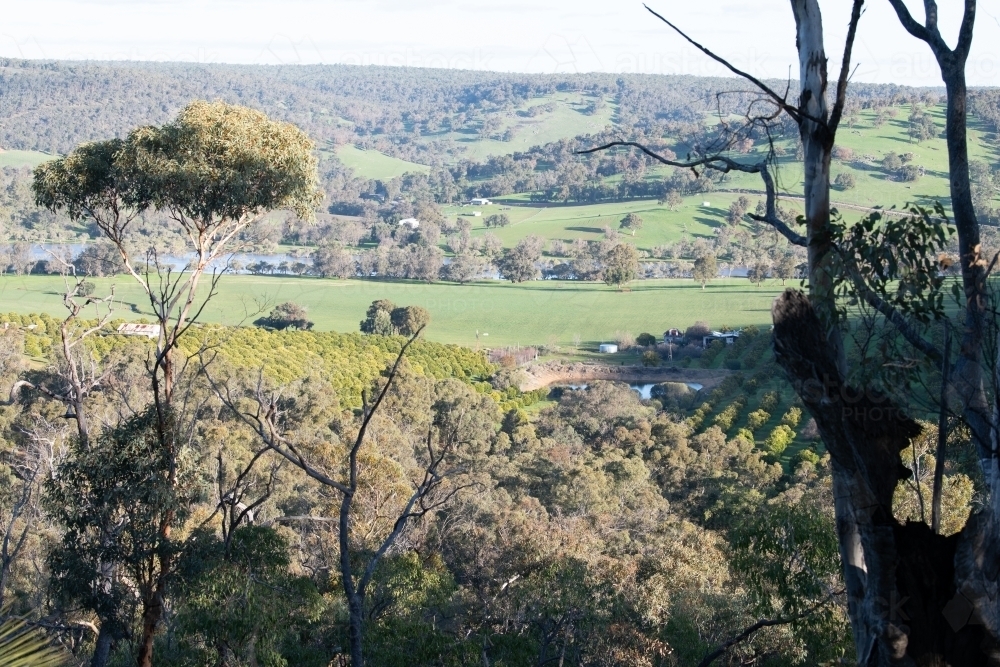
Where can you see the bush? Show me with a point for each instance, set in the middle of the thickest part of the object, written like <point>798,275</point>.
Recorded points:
<point>733,364</point>
<point>287,315</point>
<point>676,393</point>
<point>792,417</point>
<point>911,172</point>
<point>757,418</point>
<point>843,153</point>
<point>769,401</point>
<point>728,417</point>
<point>646,340</point>
<point>780,438</point>
<point>696,332</point>
<point>845,181</point>
<point>650,358</point>
<point>625,340</point>
<point>809,456</point>
<point>713,350</point>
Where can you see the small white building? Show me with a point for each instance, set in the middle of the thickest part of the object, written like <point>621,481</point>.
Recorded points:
<point>477,214</point>
<point>134,329</point>
<point>706,203</point>
<point>480,201</point>
<point>607,348</point>
<point>727,337</point>
<point>412,223</point>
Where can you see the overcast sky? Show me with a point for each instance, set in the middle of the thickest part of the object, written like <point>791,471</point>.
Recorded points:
<point>518,35</point>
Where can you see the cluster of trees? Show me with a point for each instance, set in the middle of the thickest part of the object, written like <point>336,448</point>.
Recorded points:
<point>900,167</point>
<point>384,318</point>
<point>286,315</point>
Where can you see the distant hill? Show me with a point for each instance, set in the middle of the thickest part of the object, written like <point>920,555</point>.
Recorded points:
<point>53,106</point>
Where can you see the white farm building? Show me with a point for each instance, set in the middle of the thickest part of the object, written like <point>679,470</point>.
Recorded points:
<point>412,223</point>
<point>480,201</point>
<point>607,348</point>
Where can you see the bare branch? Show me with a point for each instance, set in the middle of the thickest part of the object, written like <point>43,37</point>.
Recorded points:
<point>845,67</point>
<point>761,624</point>
<point>778,99</point>
<point>725,165</point>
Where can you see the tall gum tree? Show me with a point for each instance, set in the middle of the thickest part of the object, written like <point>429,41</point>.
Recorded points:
<point>214,170</point>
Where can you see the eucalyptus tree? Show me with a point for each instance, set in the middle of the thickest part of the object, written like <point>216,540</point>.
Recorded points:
<point>913,596</point>
<point>213,171</point>
<point>457,436</point>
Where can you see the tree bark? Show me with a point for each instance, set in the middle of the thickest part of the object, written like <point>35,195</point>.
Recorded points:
<point>102,650</point>
<point>909,600</point>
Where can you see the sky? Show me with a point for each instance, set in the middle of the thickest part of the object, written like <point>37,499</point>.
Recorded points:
<point>545,36</point>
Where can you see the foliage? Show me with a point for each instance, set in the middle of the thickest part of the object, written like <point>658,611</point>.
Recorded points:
<point>238,602</point>
<point>120,482</point>
<point>845,181</point>
<point>631,221</point>
<point>22,646</point>
<point>897,258</point>
<point>408,320</point>
<point>286,315</point>
<point>705,269</point>
<point>786,555</point>
<point>518,263</point>
<point>757,418</point>
<point>645,340</point>
<point>621,265</point>
<point>779,439</point>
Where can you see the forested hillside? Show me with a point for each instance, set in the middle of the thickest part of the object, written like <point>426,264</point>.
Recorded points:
<point>53,106</point>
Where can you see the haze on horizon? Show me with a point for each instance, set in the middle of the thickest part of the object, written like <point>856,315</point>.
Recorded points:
<point>516,36</point>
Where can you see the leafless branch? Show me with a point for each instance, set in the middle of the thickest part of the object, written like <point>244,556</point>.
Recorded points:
<point>723,648</point>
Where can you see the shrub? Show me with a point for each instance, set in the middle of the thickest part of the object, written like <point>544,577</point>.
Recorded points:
<point>792,417</point>
<point>646,339</point>
<point>911,172</point>
<point>728,417</point>
<point>696,332</point>
<point>650,358</point>
<point>769,401</point>
<point>845,181</point>
<point>624,339</point>
<point>287,315</point>
<point>757,418</point>
<point>843,153</point>
<point>711,352</point>
<point>780,438</point>
<point>809,456</point>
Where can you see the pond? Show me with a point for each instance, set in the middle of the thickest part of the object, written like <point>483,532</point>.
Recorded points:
<point>644,390</point>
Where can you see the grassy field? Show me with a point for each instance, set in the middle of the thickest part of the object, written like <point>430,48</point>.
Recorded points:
<point>694,219</point>
<point>23,158</point>
<point>566,120</point>
<point>372,164</point>
<point>568,222</point>
<point>541,312</point>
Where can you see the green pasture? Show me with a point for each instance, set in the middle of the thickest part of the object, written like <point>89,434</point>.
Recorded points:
<point>23,158</point>
<point>372,164</point>
<point>567,120</point>
<point>587,221</point>
<point>539,312</point>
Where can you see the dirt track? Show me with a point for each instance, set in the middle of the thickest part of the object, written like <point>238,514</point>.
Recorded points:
<point>543,375</point>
